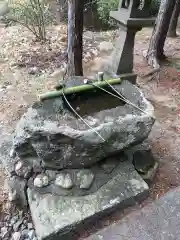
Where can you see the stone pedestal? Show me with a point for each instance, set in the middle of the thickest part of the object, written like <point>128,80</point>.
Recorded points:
<point>132,17</point>
<point>57,217</point>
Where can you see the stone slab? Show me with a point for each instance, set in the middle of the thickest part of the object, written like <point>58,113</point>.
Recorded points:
<point>160,220</point>
<point>132,22</point>
<point>58,216</point>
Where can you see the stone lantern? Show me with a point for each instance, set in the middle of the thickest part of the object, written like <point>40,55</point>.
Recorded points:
<point>132,16</point>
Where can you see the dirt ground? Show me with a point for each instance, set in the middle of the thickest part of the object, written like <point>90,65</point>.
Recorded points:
<point>28,68</point>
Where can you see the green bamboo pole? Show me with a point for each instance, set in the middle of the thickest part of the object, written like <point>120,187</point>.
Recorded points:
<point>78,89</point>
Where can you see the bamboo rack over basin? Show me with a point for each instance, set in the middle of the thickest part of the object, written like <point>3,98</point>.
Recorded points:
<point>78,89</point>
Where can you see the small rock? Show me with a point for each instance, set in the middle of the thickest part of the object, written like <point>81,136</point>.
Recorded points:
<point>12,153</point>
<point>16,236</point>
<point>20,213</point>
<point>7,218</point>
<point>85,178</point>
<point>18,166</point>
<point>22,169</point>
<point>17,225</point>
<point>31,234</point>
<point>94,52</point>
<point>4,231</point>
<point>25,233</point>
<point>30,226</point>
<point>21,105</point>
<point>12,195</point>
<point>41,180</point>
<point>6,83</point>
<point>14,220</point>
<point>144,53</point>
<point>25,221</point>
<point>33,70</point>
<point>64,180</point>
<point>23,227</point>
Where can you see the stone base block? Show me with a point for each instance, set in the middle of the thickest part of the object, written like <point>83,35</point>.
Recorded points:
<point>60,216</point>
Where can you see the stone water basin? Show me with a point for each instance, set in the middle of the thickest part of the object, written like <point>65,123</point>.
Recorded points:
<point>58,139</point>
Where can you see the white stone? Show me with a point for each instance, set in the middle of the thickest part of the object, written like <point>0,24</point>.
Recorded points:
<point>18,166</point>
<point>94,52</point>
<point>41,180</point>
<point>3,231</point>
<point>85,178</point>
<point>64,180</point>
<point>12,153</point>
<point>33,70</point>
<point>12,195</point>
<point>16,236</point>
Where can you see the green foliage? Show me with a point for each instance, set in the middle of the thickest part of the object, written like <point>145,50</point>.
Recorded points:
<point>104,7</point>
<point>155,7</point>
<point>33,14</point>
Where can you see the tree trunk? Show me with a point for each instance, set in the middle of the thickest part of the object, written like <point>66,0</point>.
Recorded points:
<point>174,20</point>
<point>75,37</point>
<point>156,46</point>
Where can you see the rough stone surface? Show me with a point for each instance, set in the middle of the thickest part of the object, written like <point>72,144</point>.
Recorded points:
<point>85,178</point>
<point>50,131</point>
<point>56,216</point>
<point>64,181</point>
<point>109,166</point>
<point>159,220</point>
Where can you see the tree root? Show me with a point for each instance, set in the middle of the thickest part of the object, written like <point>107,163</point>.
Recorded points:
<point>153,61</point>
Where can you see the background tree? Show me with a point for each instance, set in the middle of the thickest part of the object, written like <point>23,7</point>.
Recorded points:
<point>174,20</point>
<point>75,37</point>
<point>155,52</point>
